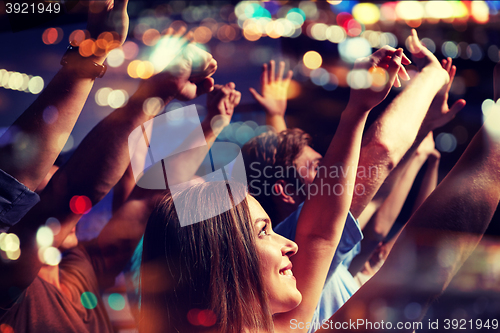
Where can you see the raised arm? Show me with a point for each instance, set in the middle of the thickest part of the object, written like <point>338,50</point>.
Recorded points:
<point>453,219</point>
<point>274,94</point>
<point>322,218</point>
<point>123,232</point>
<point>95,167</point>
<point>397,133</point>
<point>382,221</point>
<point>220,108</point>
<point>66,94</point>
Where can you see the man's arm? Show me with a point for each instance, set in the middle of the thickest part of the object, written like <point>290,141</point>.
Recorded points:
<point>382,221</point>
<point>397,133</point>
<point>322,218</point>
<point>66,93</point>
<point>274,94</point>
<point>220,108</point>
<point>95,167</point>
<point>123,232</point>
<point>453,219</point>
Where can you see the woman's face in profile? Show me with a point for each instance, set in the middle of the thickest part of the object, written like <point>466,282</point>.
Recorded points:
<point>274,254</point>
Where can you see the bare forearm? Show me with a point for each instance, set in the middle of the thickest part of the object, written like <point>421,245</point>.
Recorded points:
<point>47,124</point>
<point>382,221</point>
<point>276,121</point>
<point>394,135</point>
<point>322,218</point>
<point>429,182</point>
<point>452,219</point>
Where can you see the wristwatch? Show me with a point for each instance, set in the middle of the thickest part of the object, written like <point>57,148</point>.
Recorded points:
<point>85,67</point>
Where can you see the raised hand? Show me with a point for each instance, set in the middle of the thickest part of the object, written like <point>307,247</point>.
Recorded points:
<point>221,103</point>
<point>109,16</point>
<point>382,69</point>
<point>273,89</point>
<point>421,56</point>
<point>439,113</point>
<point>183,70</point>
<point>427,146</point>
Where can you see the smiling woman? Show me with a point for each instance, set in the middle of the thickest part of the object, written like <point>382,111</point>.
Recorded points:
<point>207,275</point>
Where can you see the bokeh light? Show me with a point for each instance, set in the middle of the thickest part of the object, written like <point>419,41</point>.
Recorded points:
<point>115,57</point>
<point>116,302</point>
<point>153,106</point>
<point>366,13</point>
<point>54,225</point>
<point>80,204</point>
<point>446,142</point>
<point>312,59</point>
<point>354,48</point>
<point>450,49</point>
<point>130,50</point>
<point>202,35</point>
<point>44,236</point>
<point>410,10</point>
<point>359,79</point>
<point>88,300</point>
<point>77,37</point>
<point>151,37</point>
<point>336,34</point>
<point>49,255</point>
<point>101,96</point>
<point>117,98</point>
<point>35,85</point>
<point>52,36</point>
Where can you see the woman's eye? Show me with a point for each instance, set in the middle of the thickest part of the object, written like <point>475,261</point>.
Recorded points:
<point>263,232</point>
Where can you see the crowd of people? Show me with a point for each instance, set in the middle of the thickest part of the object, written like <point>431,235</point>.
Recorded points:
<point>296,242</point>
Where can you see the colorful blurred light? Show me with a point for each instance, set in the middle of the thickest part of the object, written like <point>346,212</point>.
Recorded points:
<point>312,59</point>
<point>354,48</point>
<point>336,34</point>
<point>80,204</point>
<point>480,11</point>
<point>366,13</point>
<point>410,10</point>
<point>52,36</point>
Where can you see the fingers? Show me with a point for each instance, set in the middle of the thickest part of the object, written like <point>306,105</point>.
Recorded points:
<point>394,67</point>
<point>281,71</point>
<point>256,95</point>
<point>272,66</point>
<point>456,107</point>
<point>288,78</point>
<point>205,86</point>
<point>264,76</point>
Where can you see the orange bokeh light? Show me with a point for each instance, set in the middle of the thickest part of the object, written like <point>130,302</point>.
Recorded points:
<point>52,36</point>
<point>77,37</point>
<point>202,35</point>
<point>87,48</point>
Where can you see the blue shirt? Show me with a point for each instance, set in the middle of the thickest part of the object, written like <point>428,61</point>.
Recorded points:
<point>15,200</point>
<point>339,285</point>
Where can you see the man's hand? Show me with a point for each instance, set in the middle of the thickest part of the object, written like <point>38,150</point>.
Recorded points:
<point>108,16</point>
<point>382,68</point>
<point>439,113</point>
<point>187,75</point>
<point>274,89</point>
<point>421,56</point>
<point>427,146</point>
<point>221,103</point>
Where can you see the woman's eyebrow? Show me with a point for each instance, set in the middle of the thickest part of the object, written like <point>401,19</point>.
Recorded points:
<point>265,219</point>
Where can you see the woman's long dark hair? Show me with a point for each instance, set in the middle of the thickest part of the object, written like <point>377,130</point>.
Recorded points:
<point>209,266</point>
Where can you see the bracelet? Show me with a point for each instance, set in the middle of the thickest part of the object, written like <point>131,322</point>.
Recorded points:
<point>85,67</point>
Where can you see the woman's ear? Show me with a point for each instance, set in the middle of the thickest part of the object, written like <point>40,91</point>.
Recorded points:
<point>280,189</point>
